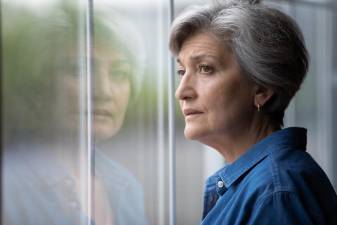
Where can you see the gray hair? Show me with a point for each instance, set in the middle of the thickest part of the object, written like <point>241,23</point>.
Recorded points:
<point>267,44</point>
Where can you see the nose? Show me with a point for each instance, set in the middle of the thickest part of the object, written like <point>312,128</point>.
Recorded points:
<point>103,86</point>
<point>186,89</point>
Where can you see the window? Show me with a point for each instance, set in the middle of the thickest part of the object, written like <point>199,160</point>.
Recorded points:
<point>90,128</point>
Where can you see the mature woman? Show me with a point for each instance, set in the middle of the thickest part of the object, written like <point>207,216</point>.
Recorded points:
<point>240,63</point>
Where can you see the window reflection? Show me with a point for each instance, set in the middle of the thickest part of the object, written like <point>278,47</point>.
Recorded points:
<point>44,62</point>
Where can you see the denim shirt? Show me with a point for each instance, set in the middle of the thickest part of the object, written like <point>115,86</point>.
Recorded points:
<point>275,182</point>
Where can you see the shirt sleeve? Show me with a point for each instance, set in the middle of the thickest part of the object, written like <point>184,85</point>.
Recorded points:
<point>281,208</point>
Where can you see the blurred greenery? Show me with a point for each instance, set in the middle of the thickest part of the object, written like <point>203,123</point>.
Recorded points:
<point>38,47</point>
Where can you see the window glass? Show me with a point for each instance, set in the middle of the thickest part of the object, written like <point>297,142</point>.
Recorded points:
<point>84,112</point>
<point>45,153</point>
<point>141,144</point>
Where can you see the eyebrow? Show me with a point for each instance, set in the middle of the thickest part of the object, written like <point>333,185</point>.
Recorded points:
<point>199,57</point>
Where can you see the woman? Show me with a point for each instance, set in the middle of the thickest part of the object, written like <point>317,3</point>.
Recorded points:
<point>45,179</point>
<point>240,63</point>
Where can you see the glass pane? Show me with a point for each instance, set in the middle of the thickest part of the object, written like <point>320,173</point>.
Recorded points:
<point>138,87</point>
<point>44,125</point>
<point>85,112</point>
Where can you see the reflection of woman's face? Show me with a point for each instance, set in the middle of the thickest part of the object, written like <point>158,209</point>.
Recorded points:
<point>111,91</point>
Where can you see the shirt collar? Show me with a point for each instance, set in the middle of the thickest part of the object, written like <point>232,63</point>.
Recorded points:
<point>289,137</point>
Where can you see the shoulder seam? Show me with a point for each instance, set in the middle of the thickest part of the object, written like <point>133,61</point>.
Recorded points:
<point>278,190</point>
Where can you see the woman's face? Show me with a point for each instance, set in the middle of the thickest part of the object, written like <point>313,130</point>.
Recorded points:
<point>214,97</point>
<point>111,92</point>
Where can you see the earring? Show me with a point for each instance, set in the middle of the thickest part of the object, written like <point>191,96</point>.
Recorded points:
<point>258,107</point>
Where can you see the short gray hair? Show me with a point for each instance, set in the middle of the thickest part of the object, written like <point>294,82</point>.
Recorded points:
<point>267,44</point>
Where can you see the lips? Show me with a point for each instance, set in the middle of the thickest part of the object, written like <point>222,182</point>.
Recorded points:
<point>102,113</point>
<point>191,112</point>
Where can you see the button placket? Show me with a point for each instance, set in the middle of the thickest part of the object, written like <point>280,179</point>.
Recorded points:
<point>220,187</point>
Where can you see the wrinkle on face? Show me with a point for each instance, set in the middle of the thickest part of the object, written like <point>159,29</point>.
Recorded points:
<point>225,97</point>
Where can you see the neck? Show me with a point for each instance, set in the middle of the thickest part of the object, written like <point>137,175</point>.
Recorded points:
<point>231,145</point>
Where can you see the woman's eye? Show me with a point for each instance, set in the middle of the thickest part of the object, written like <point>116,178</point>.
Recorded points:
<point>119,71</point>
<point>180,73</point>
<point>206,69</point>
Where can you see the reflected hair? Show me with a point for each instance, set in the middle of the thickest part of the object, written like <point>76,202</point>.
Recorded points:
<point>112,32</point>
<point>267,44</point>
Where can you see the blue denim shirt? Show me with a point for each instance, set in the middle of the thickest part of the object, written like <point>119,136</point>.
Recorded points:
<point>275,182</point>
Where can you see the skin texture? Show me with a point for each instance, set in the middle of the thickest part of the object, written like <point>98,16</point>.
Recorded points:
<point>217,101</point>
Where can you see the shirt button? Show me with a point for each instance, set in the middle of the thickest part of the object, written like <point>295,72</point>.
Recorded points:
<point>220,184</point>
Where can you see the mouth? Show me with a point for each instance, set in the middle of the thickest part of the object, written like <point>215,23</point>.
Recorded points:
<point>191,113</point>
<point>102,113</point>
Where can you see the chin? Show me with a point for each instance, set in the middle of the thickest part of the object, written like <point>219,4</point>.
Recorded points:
<point>104,133</point>
<point>106,128</point>
<point>193,133</point>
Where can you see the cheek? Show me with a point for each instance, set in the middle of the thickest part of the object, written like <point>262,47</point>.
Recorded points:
<point>221,96</point>
<point>231,104</point>
<point>181,104</point>
<point>122,95</point>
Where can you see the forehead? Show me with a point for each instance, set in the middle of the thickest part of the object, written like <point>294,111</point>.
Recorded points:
<point>202,46</point>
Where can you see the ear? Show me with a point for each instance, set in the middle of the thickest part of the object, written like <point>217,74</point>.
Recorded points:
<point>262,95</point>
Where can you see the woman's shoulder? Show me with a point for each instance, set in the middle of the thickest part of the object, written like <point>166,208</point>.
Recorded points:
<point>289,170</point>
<point>295,171</point>
<point>290,166</point>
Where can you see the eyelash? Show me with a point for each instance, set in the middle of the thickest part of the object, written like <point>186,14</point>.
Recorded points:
<point>180,72</point>
<point>209,69</point>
